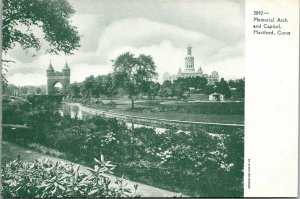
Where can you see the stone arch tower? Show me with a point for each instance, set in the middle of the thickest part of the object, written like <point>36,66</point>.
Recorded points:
<point>55,76</point>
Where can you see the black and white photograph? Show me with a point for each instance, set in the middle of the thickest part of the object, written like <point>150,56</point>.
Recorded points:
<point>123,98</point>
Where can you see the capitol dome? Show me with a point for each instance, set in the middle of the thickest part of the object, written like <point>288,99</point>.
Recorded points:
<point>214,74</point>
<point>166,75</point>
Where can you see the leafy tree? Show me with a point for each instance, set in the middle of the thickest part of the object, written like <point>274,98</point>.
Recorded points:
<point>199,82</point>
<point>51,16</point>
<point>154,89</point>
<point>208,89</point>
<point>24,90</point>
<point>38,90</point>
<point>130,72</point>
<point>240,88</point>
<point>88,88</point>
<point>10,89</point>
<point>239,84</point>
<point>150,88</point>
<point>20,18</point>
<point>180,87</point>
<point>105,85</point>
<point>223,88</point>
<point>166,89</point>
<point>74,90</point>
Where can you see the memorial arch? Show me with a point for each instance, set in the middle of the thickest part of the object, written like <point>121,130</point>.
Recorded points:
<point>53,77</point>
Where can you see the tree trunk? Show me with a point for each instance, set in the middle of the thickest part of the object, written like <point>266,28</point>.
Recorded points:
<point>132,103</point>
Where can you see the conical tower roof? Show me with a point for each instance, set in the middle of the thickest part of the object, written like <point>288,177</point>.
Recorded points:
<point>66,66</point>
<point>50,67</point>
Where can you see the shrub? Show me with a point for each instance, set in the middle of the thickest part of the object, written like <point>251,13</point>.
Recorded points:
<point>44,178</point>
<point>200,162</point>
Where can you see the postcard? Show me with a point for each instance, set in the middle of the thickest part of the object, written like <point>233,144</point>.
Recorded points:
<point>149,98</point>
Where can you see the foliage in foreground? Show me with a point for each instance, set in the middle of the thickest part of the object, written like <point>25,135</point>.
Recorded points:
<point>45,178</point>
<point>205,161</point>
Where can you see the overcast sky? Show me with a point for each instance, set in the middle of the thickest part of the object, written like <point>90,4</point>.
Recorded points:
<point>160,28</point>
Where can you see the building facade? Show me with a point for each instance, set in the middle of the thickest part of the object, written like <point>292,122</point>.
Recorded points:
<point>190,71</point>
<point>54,77</point>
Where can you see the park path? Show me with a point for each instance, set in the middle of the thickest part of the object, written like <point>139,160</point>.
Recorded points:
<point>10,151</point>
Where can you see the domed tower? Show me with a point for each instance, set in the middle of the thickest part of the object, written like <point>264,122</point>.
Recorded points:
<point>166,76</point>
<point>213,78</point>
<point>215,75</point>
<point>189,61</point>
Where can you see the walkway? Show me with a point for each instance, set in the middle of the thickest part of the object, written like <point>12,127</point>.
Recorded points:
<point>10,151</point>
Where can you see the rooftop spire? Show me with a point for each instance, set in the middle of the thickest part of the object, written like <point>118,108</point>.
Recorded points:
<point>50,66</point>
<point>66,65</point>
<point>189,50</point>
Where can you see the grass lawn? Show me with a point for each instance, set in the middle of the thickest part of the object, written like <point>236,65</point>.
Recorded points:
<point>124,107</point>
<point>11,151</point>
<point>211,118</point>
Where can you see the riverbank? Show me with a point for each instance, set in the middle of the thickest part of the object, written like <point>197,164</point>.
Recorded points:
<point>158,119</point>
<point>208,112</point>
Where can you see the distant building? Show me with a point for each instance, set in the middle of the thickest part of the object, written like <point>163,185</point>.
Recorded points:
<point>167,76</point>
<point>31,91</point>
<point>189,71</point>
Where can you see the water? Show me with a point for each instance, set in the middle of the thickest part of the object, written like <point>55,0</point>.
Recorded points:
<point>83,113</point>
<point>80,112</point>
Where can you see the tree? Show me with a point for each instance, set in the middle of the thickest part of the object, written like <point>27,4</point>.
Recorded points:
<point>223,88</point>
<point>208,89</point>
<point>88,88</point>
<point>38,90</point>
<point>20,18</point>
<point>150,88</point>
<point>24,90</point>
<point>74,90</point>
<point>239,84</point>
<point>199,82</point>
<point>130,72</point>
<point>180,87</point>
<point>166,89</point>
<point>104,85</point>
<point>51,16</point>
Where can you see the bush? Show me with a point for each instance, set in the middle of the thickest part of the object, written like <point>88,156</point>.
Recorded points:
<point>14,110</point>
<point>200,162</point>
<point>44,178</point>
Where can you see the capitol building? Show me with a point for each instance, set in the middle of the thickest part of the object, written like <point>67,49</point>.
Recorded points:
<point>189,71</point>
